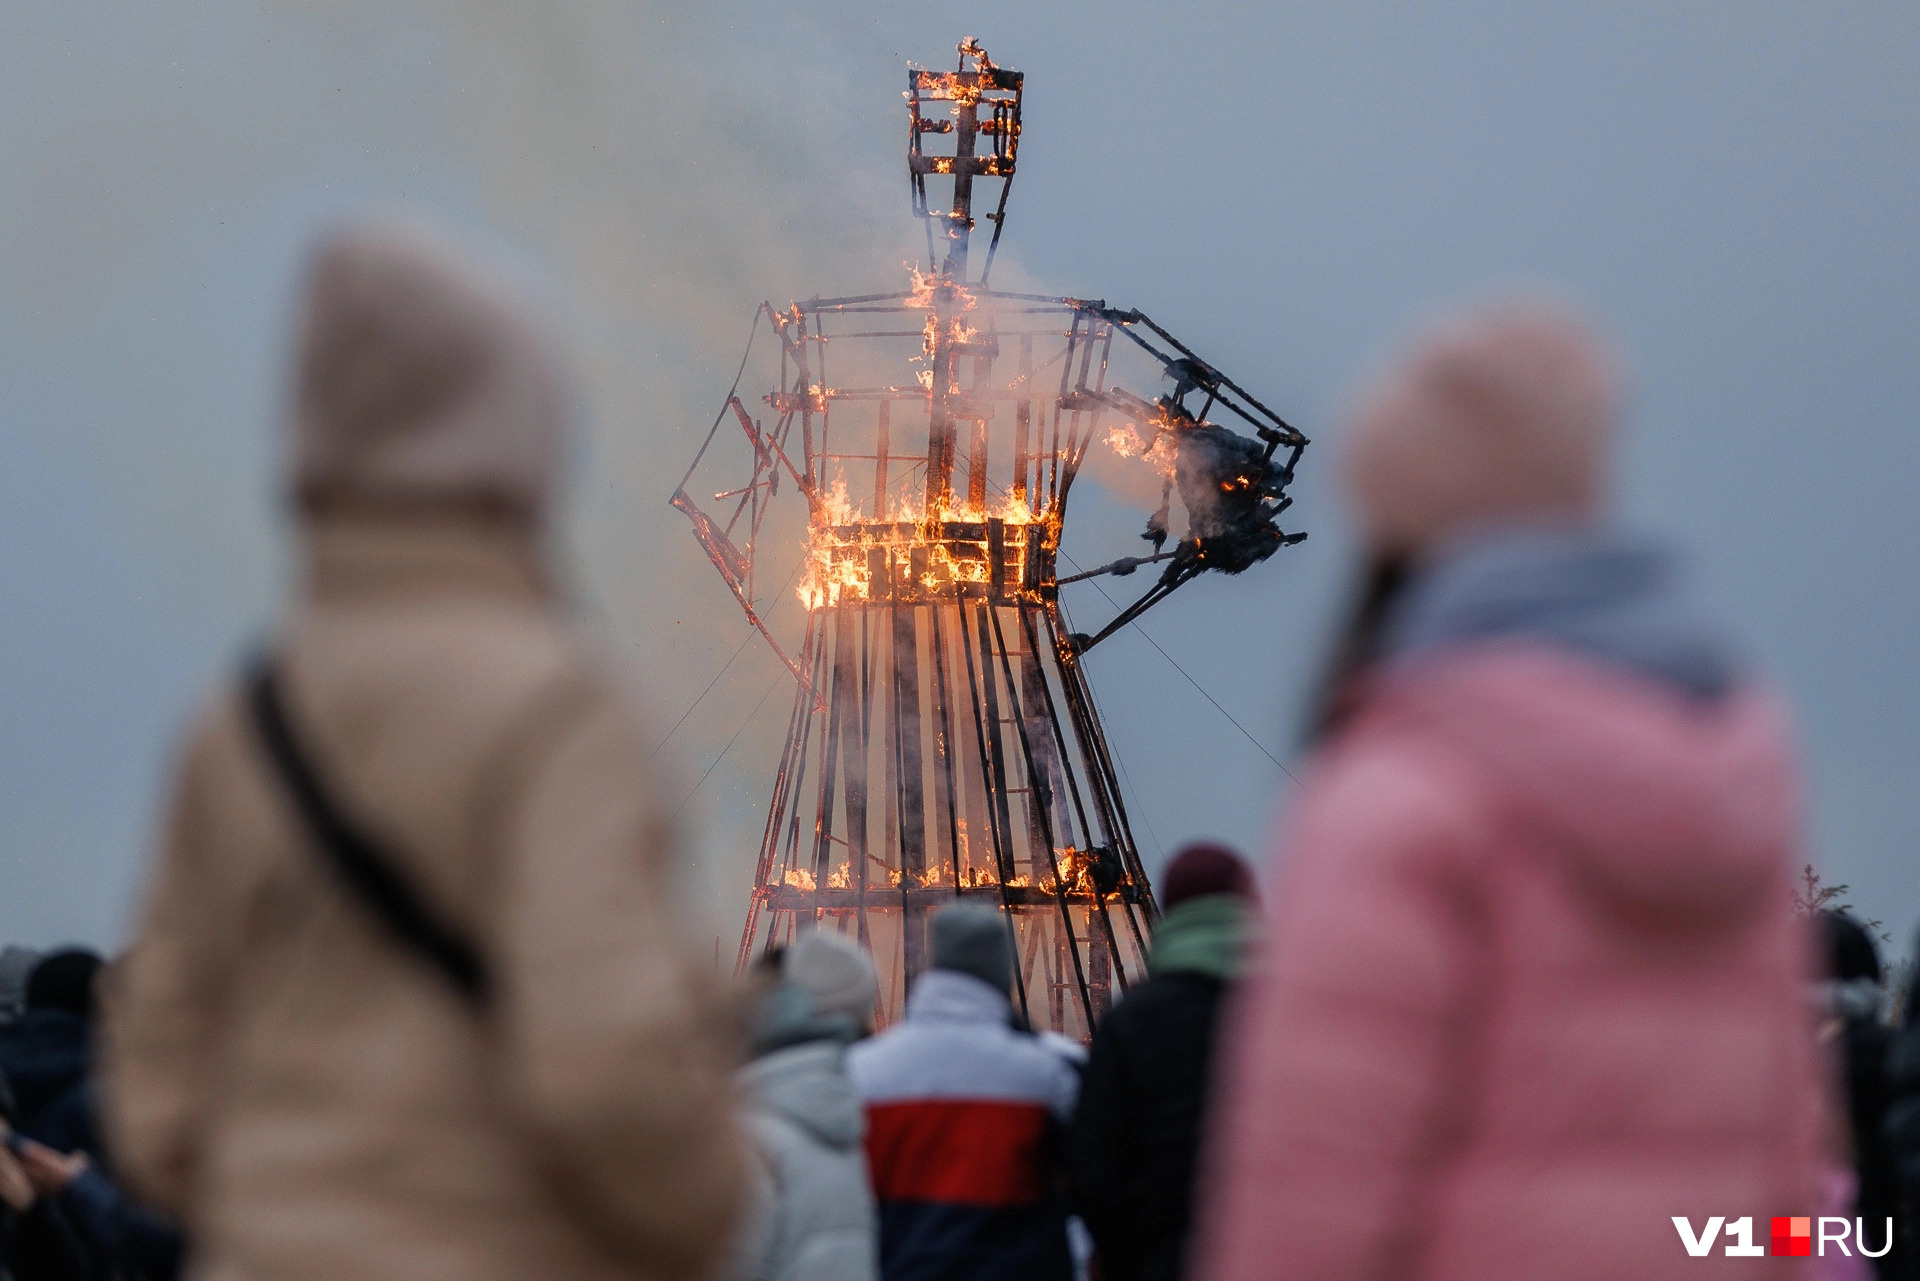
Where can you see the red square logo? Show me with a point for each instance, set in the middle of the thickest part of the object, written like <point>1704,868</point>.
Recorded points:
<point>1793,1236</point>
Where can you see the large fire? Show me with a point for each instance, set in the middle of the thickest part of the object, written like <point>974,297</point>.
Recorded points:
<point>931,552</point>
<point>939,551</point>
<point>1075,867</point>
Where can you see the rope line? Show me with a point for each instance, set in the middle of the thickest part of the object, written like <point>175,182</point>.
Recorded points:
<point>703,693</point>
<point>744,642</point>
<point>728,748</point>
<point>1183,671</point>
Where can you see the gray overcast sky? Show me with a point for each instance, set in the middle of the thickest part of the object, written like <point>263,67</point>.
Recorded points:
<point>1732,185</point>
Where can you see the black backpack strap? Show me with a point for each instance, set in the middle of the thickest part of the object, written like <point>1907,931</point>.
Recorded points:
<point>366,869</point>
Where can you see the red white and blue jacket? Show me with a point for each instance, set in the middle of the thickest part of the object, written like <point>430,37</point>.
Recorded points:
<point>963,1121</point>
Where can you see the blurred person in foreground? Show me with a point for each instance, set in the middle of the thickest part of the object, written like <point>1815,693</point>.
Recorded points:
<point>71,1219</point>
<point>16,964</point>
<point>85,1222</point>
<point>408,999</point>
<point>810,1213</point>
<point>1144,1096</point>
<point>37,1240</point>
<point>965,1118</point>
<point>1901,1127</point>
<point>46,1054</point>
<point>1850,1004</point>
<point>1535,985</point>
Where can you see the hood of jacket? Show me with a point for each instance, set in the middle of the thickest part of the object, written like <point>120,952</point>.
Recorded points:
<point>1205,935</point>
<point>429,417</point>
<point>1623,601</point>
<point>808,1085</point>
<point>42,1054</point>
<point>1579,673</point>
<point>950,996</point>
<point>422,377</point>
<point>786,1016</point>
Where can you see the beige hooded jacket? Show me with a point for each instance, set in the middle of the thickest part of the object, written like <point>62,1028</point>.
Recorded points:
<point>312,1099</point>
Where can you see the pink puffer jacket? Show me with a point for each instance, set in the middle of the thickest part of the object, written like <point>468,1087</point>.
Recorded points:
<point>1533,990</point>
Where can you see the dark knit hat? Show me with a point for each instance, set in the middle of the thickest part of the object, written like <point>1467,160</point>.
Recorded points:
<point>1203,868</point>
<point>973,939</point>
<point>64,980</point>
<point>1850,950</point>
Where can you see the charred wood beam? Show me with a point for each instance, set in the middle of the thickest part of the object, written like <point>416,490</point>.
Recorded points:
<point>1119,568</point>
<point>1181,572</point>
<point>1041,802</point>
<point>1059,739</point>
<point>988,738</point>
<point>1078,696</point>
<point>732,566</point>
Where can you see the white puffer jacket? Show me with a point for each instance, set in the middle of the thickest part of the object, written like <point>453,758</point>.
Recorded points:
<point>812,1215</point>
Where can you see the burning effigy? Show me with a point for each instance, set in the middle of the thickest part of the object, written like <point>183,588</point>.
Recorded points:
<point>944,742</point>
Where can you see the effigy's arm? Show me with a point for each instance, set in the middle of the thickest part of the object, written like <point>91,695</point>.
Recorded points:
<point>1234,490</point>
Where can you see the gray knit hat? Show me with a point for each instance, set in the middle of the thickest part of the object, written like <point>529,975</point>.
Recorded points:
<point>836,972</point>
<point>973,939</point>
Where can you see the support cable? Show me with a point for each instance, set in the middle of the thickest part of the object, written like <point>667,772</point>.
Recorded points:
<point>1183,671</point>
<point>744,642</point>
<point>723,751</point>
<point>1088,576</point>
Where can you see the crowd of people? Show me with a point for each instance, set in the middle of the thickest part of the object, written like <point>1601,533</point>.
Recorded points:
<point>1520,992</point>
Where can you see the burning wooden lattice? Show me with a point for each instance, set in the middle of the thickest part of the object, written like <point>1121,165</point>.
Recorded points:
<point>943,741</point>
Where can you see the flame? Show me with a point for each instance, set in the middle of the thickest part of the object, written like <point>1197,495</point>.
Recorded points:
<point>801,878</point>
<point>1125,441</point>
<point>1075,874</point>
<point>1016,511</point>
<point>842,540</point>
<point>835,504</point>
<point>840,563</point>
<point>963,86</point>
<point>988,166</point>
<point>959,299</point>
<point>930,877</point>
<point>921,295</point>
<point>951,84</point>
